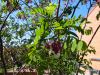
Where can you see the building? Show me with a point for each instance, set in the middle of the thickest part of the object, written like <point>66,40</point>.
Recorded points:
<point>96,40</point>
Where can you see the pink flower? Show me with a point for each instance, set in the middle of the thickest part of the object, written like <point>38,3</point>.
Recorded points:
<point>56,47</point>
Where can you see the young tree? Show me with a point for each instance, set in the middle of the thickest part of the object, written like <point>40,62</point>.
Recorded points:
<point>48,29</point>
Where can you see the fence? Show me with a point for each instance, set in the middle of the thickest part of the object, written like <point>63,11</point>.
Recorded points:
<point>20,73</point>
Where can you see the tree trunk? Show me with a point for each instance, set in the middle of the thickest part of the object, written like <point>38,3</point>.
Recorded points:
<point>2,57</point>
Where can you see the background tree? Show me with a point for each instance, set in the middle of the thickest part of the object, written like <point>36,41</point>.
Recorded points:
<point>47,28</point>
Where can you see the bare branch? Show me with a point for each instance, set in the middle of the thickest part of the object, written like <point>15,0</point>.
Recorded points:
<point>87,17</point>
<point>75,8</point>
<point>36,3</point>
<point>5,21</point>
<point>26,4</point>
<point>57,13</point>
<point>63,10</point>
<point>93,35</point>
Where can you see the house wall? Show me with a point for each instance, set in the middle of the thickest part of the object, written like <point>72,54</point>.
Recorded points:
<point>96,41</point>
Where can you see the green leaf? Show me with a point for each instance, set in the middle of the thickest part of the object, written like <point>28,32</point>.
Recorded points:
<point>37,10</point>
<point>37,38</point>
<point>66,24</point>
<point>65,45</point>
<point>30,55</point>
<point>50,9</point>
<point>79,29</point>
<point>60,27</point>
<point>38,32</point>
<point>85,46</point>
<point>74,45</point>
<point>80,45</point>
<point>42,29</point>
<point>72,33</point>
<point>56,24</point>
<point>98,16</point>
<point>88,31</point>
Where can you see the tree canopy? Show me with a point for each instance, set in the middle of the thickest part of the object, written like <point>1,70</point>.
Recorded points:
<point>43,35</point>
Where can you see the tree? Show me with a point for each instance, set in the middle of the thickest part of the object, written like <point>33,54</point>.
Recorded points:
<point>11,31</point>
<point>50,30</point>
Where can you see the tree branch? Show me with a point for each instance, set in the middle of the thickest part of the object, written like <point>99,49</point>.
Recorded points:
<point>36,3</point>
<point>2,56</point>
<point>5,22</point>
<point>57,13</point>
<point>75,8</point>
<point>93,35</point>
<point>26,4</point>
<point>87,17</point>
<point>89,45</point>
<point>1,44</point>
<point>61,15</point>
<point>91,40</point>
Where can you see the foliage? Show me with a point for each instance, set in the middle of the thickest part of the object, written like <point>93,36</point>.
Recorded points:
<point>62,53</point>
<point>43,35</point>
<point>98,15</point>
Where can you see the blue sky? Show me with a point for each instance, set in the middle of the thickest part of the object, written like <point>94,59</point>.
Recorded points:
<point>82,10</point>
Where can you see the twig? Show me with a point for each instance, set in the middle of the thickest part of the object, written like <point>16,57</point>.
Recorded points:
<point>75,8</point>
<point>67,3</point>
<point>82,35</point>
<point>26,4</point>
<point>63,10</point>
<point>36,3</point>
<point>57,13</point>
<point>89,45</point>
<point>91,40</point>
<point>93,35</point>
<point>5,21</point>
<point>87,17</point>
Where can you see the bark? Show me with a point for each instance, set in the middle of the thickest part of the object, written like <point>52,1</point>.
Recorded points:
<point>2,56</point>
